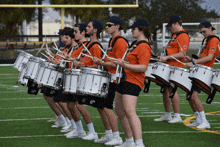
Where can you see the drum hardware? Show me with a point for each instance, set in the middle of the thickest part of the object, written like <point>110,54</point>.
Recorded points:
<point>163,88</point>
<point>174,88</point>
<point>23,57</point>
<point>211,96</point>
<point>189,94</point>
<point>105,55</point>
<point>161,72</point>
<point>23,81</point>
<point>147,85</point>
<point>202,76</point>
<point>119,69</point>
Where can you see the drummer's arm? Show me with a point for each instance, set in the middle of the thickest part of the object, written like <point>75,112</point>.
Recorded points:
<point>205,59</point>
<point>135,68</point>
<point>181,54</point>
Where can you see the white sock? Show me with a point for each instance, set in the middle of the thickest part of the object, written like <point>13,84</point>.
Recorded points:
<point>116,134</point>
<point>139,142</point>
<point>198,118</point>
<point>61,119</point>
<point>68,120</point>
<point>73,123</point>
<point>177,114</point>
<point>91,128</point>
<point>108,131</point>
<point>79,126</point>
<point>168,114</point>
<point>202,116</point>
<point>129,140</point>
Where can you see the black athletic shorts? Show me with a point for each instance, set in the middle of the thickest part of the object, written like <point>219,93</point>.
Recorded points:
<point>196,88</point>
<point>48,91</point>
<point>60,96</point>
<point>129,88</point>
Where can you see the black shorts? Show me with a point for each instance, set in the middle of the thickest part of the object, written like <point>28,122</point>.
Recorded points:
<point>111,95</point>
<point>73,97</point>
<point>48,91</point>
<point>196,88</point>
<point>60,96</point>
<point>129,88</point>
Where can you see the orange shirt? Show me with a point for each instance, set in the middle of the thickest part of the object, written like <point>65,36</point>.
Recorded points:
<point>94,50</point>
<point>174,48</point>
<point>117,51</point>
<point>140,55</point>
<point>67,48</point>
<point>210,48</point>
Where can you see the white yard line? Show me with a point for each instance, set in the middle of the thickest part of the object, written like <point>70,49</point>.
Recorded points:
<point>145,132</point>
<point>28,107</point>
<point>5,99</point>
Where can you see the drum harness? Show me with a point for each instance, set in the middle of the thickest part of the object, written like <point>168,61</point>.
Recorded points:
<point>118,75</point>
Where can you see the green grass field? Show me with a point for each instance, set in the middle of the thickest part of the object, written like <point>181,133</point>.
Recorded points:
<point>23,119</point>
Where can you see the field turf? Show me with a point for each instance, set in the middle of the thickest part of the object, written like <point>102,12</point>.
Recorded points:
<point>23,119</point>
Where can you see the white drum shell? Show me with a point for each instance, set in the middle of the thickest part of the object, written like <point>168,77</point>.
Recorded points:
<point>23,57</point>
<point>32,67</point>
<point>149,71</point>
<point>180,76</point>
<point>216,79</point>
<point>162,72</point>
<point>91,82</point>
<point>202,74</point>
<point>71,80</point>
<point>21,78</point>
<point>49,75</point>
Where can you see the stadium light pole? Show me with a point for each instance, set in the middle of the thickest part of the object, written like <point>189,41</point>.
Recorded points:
<point>40,21</point>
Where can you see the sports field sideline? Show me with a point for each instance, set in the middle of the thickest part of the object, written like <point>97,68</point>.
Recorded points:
<point>23,119</point>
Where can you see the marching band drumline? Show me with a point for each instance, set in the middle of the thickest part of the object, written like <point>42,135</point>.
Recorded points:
<point>87,81</point>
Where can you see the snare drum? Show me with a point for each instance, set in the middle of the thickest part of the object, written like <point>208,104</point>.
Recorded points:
<point>179,76</point>
<point>216,79</point>
<point>202,76</point>
<point>32,67</point>
<point>148,74</point>
<point>49,75</point>
<point>162,72</point>
<point>21,79</point>
<point>71,80</point>
<point>94,82</point>
<point>23,57</point>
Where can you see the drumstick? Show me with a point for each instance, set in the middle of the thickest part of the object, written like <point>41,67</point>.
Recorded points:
<point>55,44</point>
<point>179,45</point>
<point>57,49</point>
<point>177,60</point>
<point>49,54</point>
<point>44,55</point>
<point>40,48</point>
<point>87,55</point>
<point>86,49</point>
<point>61,56</point>
<point>217,60</point>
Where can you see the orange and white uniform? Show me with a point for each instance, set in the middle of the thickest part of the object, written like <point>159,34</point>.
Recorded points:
<point>140,55</point>
<point>210,48</point>
<point>174,47</point>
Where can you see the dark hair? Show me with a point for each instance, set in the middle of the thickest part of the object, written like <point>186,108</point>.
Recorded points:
<point>179,22</point>
<point>147,33</point>
<point>95,27</point>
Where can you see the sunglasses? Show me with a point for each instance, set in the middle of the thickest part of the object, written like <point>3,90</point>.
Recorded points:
<point>110,25</point>
<point>203,31</point>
